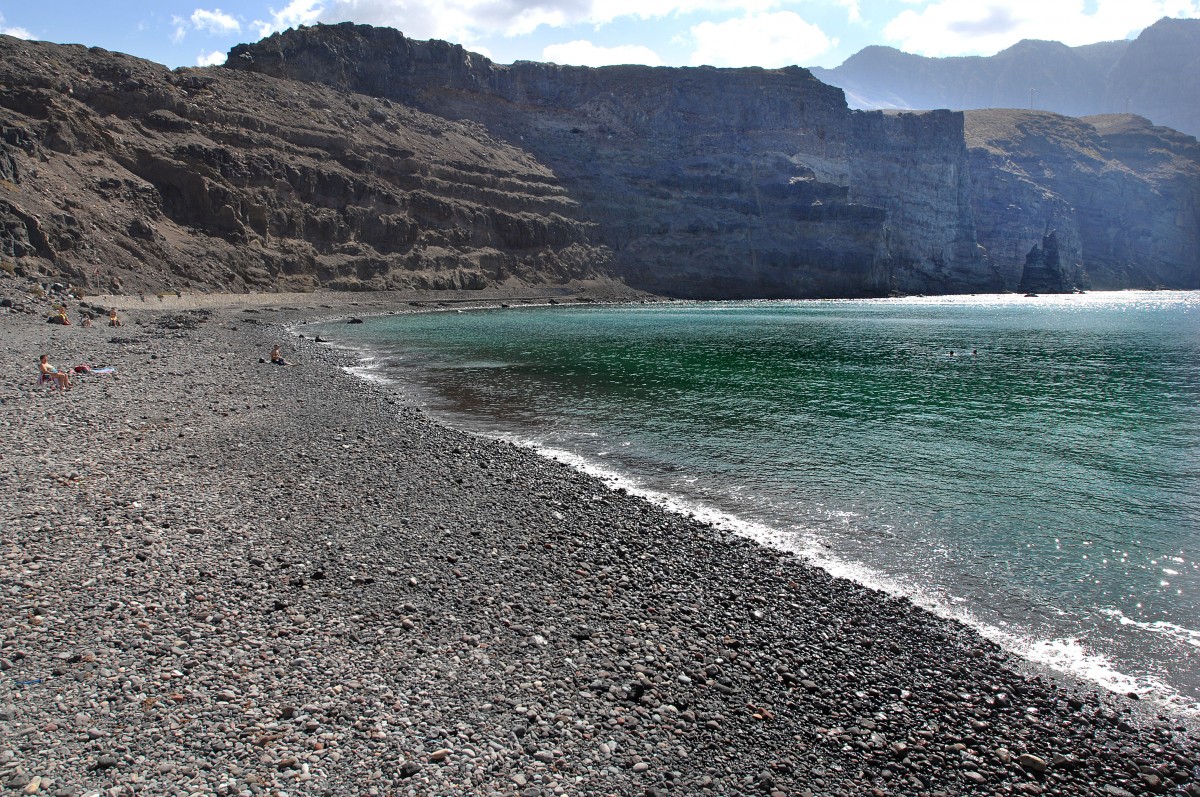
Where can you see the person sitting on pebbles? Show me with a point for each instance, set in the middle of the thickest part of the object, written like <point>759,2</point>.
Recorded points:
<point>49,373</point>
<point>277,357</point>
<point>114,320</point>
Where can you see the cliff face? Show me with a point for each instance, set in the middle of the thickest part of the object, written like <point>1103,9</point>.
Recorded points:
<point>117,172</point>
<point>1122,195</point>
<point>353,157</point>
<point>916,166</point>
<point>703,182</point>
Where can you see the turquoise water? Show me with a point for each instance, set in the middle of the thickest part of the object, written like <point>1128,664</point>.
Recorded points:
<point>1042,482</point>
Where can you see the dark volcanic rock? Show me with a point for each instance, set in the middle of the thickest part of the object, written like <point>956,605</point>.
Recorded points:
<point>1043,268</point>
<point>355,158</point>
<point>120,174</point>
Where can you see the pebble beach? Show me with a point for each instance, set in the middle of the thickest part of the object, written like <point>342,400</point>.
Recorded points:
<point>220,576</point>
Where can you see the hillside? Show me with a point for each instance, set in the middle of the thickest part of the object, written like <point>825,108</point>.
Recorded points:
<point>352,157</point>
<point>121,174</point>
<point>1156,75</point>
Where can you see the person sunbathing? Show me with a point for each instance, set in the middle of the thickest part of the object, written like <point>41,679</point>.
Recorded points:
<point>51,374</point>
<point>277,356</point>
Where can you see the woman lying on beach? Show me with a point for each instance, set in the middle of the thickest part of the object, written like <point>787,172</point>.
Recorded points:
<point>50,373</point>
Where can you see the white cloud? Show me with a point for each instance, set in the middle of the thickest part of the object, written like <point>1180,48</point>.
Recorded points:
<point>767,40</point>
<point>215,21</point>
<point>530,19</point>
<point>294,14</point>
<point>585,53</point>
<point>853,10</point>
<point>215,58</point>
<point>464,20</point>
<point>12,30</point>
<point>452,20</point>
<point>600,12</point>
<point>951,27</point>
<point>479,48</point>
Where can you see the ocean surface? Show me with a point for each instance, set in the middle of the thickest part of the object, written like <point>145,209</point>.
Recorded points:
<point>1030,466</point>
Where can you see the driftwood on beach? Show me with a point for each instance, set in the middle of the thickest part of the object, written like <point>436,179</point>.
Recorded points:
<point>222,577</point>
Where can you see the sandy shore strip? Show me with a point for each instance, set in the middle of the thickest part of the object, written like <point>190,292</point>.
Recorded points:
<point>223,577</point>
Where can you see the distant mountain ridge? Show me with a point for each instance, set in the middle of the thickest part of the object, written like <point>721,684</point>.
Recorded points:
<point>1156,75</point>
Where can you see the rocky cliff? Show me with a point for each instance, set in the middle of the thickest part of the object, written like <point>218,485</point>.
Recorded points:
<point>1121,195</point>
<point>702,182</point>
<point>120,174</point>
<point>353,157</point>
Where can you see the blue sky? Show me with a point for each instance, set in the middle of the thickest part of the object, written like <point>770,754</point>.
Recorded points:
<point>767,33</point>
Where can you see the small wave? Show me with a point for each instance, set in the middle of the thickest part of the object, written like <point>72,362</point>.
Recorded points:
<point>1188,636</point>
<point>369,372</point>
<point>1071,655</point>
<point>1065,655</point>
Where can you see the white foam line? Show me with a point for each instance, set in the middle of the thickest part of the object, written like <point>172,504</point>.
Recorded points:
<point>1067,655</point>
<point>368,372</point>
<point>1188,636</point>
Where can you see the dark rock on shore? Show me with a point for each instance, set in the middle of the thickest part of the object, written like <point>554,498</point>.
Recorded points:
<point>1043,271</point>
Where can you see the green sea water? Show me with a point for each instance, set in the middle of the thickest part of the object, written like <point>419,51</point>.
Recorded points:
<point>1028,465</point>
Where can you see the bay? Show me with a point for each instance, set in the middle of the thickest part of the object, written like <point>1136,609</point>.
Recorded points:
<point>1030,466</point>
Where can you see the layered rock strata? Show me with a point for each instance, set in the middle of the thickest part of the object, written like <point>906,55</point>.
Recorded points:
<point>732,183</point>
<point>352,157</point>
<point>704,182</point>
<point>118,172</point>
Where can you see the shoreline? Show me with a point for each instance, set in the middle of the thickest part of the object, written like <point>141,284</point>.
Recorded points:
<point>1046,654</point>
<point>223,577</point>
